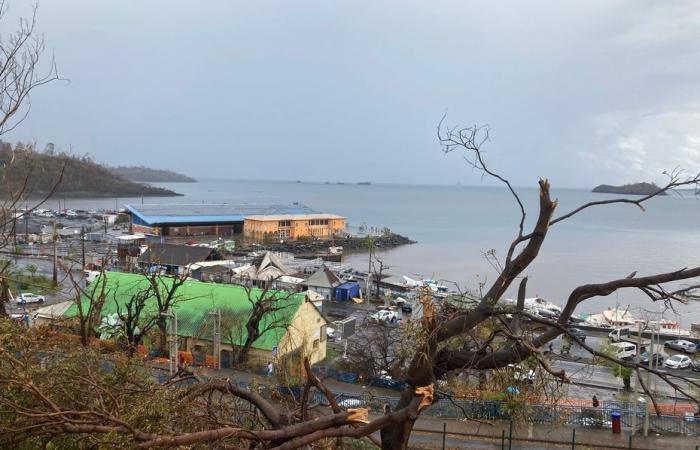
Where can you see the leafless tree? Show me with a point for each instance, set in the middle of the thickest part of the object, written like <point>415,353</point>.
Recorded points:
<point>376,348</point>
<point>134,316</point>
<point>267,314</point>
<point>20,73</point>
<point>89,302</point>
<point>165,291</point>
<point>21,55</point>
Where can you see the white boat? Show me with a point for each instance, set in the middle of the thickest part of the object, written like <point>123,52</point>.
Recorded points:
<point>668,328</point>
<point>536,304</point>
<point>619,317</point>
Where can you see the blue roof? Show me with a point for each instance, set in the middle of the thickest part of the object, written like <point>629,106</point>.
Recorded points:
<point>155,214</point>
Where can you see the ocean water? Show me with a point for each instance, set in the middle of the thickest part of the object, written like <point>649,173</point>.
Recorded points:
<point>456,225</point>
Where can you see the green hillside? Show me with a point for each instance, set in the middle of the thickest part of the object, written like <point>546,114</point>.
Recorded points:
<point>81,178</point>
<point>148,175</point>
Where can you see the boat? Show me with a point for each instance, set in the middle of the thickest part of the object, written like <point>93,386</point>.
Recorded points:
<point>619,318</point>
<point>537,304</point>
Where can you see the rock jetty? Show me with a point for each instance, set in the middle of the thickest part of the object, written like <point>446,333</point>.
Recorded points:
<point>350,244</point>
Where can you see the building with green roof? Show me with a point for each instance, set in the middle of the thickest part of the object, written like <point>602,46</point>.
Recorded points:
<point>296,328</point>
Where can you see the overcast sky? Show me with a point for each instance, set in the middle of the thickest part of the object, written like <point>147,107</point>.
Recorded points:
<point>580,92</point>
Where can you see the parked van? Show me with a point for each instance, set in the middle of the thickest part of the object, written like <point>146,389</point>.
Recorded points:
<point>624,350</point>
<point>618,333</point>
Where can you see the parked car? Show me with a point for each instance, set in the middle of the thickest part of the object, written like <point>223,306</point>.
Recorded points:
<point>28,297</point>
<point>350,402</point>
<point>385,316</point>
<point>624,350</point>
<point>330,333</point>
<point>657,359</point>
<point>678,362</point>
<point>695,366</point>
<point>578,333</point>
<point>681,345</point>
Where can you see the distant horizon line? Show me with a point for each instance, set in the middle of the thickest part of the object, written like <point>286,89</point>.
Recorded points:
<point>373,183</point>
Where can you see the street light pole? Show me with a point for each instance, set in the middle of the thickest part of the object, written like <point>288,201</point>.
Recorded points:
<point>82,244</point>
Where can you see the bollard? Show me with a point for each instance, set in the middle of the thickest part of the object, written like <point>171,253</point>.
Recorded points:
<point>573,439</point>
<point>510,436</point>
<point>503,440</point>
<point>444,432</point>
<point>630,442</point>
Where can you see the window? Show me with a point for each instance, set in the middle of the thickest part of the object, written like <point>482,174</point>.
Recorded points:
<point>284,223</point>
<point>323,333</point>
<point>316,344</point>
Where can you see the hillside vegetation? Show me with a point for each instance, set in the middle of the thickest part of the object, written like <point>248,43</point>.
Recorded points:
<point>82,176</point>
<point>146,174</point>
<point>628,189</point>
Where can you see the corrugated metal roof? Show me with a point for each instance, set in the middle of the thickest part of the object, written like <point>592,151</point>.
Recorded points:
<point>195,300</point>
<point>157,214</point>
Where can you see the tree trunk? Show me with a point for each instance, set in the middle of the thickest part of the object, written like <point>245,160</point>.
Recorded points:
<point>396,436</point>
<point>627,381</point>
<point>252,336</point>
<point>163,338</point>
<point>4,297</point>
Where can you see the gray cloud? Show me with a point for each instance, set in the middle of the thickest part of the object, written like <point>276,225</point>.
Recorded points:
<point>584,93</point>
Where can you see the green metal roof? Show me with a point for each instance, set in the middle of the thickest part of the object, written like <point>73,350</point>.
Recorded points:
<point>195,300</point>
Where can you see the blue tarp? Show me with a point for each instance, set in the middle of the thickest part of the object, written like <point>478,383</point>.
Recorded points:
<point>347,291</point>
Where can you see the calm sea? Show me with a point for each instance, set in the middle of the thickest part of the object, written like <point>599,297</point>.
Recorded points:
<point>456,225</point>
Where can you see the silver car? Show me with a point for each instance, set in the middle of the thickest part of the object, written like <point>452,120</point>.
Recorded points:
<point>681,345</point>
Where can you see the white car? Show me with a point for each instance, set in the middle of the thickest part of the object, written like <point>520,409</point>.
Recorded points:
<point>386,316</point>
<point>30,298</point>
<point>677,362</point>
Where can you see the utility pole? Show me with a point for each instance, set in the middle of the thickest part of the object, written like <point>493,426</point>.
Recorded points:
<point>82,244</point>
<point>636,380</point>
<point>55,256</point>
<point>652,358</point>
<point>370,245</point>
<point>172,341</point>
<point>217,336</point>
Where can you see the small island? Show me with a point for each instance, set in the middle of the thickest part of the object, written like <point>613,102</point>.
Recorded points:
<point>629,189</point>
<point>147,175</point>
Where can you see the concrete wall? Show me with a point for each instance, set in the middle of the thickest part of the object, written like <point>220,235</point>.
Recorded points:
<point>307,332</point>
